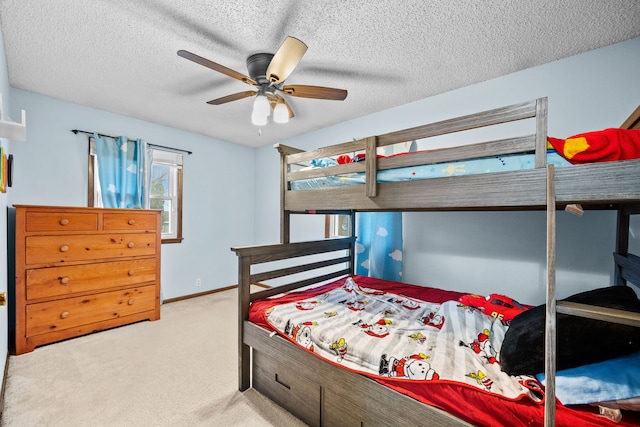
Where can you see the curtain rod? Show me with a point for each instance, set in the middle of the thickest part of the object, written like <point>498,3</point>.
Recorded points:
<point>76,131</point>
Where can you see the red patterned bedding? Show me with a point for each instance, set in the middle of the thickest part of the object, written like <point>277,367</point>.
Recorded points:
<point>600,146</point>
<point>444,355</point>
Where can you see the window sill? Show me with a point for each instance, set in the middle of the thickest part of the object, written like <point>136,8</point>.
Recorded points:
<point>172,240</point>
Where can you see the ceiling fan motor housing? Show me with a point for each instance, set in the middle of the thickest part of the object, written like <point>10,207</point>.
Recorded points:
<point>257,65</point>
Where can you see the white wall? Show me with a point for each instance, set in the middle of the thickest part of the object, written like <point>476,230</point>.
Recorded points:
<point>498,251</point>
<point>218,207</point>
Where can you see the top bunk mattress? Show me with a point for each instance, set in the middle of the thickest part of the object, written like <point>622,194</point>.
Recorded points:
<point>607,145</point>
<point>492,164</point>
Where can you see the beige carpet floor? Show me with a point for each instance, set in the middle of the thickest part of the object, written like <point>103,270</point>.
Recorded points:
<point>178,371</point>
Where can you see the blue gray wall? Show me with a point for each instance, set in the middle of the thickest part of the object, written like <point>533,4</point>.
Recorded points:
<point>495,252</point>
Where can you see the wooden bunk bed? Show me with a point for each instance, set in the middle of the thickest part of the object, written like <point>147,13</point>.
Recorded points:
<point>320,393</point>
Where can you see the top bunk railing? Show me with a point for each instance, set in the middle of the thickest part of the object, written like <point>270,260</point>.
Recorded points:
<point>535,143</point>
<point>597,185</point>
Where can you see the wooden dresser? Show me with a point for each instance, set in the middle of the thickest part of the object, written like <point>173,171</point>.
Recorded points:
<point>81,270</point>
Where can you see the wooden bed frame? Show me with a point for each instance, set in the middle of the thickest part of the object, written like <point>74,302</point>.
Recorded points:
<point>322,394</point>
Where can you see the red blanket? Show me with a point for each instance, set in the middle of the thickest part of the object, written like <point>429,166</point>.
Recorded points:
<point>479,408</point>
<point>600,146</point>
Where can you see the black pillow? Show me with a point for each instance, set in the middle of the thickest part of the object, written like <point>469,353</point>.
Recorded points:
<point>580,341</point>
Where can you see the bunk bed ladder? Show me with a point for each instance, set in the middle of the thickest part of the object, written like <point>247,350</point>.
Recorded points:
<point>624,271</point>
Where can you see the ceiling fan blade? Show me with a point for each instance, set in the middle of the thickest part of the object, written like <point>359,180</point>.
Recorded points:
<point>285,60</point>
<point>317,92</point>
<point>216,67</point>
<point>275,99</point>
<point>232,97</point>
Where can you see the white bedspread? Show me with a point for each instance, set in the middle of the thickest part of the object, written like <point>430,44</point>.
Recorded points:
<point>387,335</point>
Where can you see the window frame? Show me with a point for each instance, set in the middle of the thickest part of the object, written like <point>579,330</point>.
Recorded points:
<point>176,169</point>
<point>92,187</point>
<point>337,225</point>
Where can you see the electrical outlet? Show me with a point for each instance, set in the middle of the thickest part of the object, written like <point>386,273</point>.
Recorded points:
<point>198,281</point>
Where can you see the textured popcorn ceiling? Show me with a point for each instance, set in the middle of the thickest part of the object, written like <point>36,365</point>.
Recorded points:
<point>120,55</point>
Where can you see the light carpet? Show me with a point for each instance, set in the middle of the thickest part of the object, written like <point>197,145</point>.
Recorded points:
<point>179,371</point>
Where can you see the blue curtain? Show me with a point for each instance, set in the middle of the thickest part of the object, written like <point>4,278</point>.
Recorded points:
<point>379,245</point>
<point>121,169</point>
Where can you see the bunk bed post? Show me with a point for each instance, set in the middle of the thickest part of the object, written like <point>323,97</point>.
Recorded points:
<point>285,229</point>
<point>352,248</point>
<point>285,215</point>
<point>371,166</point>
<point>622,242</point>
<point>541,132</point>
<point>244,295</point>
<point>550,318</point>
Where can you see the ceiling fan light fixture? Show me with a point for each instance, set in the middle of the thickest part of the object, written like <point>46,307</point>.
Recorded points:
<point>258,119</point>
<point>261,105</point>
<point>281,113</point>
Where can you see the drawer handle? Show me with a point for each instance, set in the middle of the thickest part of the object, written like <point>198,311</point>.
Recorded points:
<point>131,301</point>
<point>131,244</point>
<point>287,386</point>
<point>64,221</point>
<point>64,280</point>
<point>132,221</point>
<point>64,314</point>
<point>64,248</point>
<point>131,272</point>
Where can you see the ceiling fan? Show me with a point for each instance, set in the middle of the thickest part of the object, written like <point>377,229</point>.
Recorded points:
<point>267,73</point>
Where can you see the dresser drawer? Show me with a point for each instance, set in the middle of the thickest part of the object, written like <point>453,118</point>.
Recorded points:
<point>129,219</point>
<point>68,313</point>
<point>275,379</point>
<point>61,221</point>
<point>58,249</point>
<point>60,281</point>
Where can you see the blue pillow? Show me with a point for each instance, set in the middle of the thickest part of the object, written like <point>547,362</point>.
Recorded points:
<point>323,162</point>
<point>614,379</point>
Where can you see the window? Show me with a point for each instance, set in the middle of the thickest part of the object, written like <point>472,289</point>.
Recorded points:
<point>336,226</point>
<point>163,184</point>
<point>165,191</point>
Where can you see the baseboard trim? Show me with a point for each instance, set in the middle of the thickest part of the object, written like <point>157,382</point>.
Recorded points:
<point>4,383</point>
<point>213,291</point>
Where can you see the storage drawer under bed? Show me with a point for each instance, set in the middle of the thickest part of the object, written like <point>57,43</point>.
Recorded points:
<point>284,385</point>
